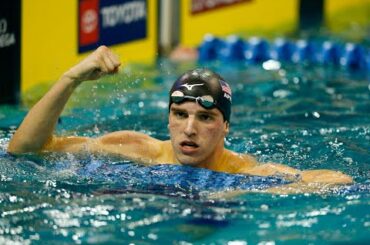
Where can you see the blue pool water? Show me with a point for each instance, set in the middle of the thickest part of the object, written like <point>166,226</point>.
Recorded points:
<point>307,117</point>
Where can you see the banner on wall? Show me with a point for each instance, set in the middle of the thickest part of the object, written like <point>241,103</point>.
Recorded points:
<point>199,6</point>
<point>109,22</point>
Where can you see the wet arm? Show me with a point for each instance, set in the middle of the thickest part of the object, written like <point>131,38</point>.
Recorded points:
<point>308,181</point>
<point>320,176</point>
<point>314,181</point>
<point>37,127</point>
<point>36,130</point>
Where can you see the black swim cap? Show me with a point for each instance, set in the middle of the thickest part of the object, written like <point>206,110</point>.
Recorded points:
<point>204,86</point>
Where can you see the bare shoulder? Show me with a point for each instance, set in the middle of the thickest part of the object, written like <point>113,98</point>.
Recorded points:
<point>238,162</point>
<point>134,145</point>
<point>131,140</point>
<point>127,137</point>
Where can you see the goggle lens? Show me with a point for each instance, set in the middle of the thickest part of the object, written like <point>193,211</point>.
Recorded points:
<point>206,101</point>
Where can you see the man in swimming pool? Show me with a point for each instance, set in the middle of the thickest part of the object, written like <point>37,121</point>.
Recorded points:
<point>199,115</point>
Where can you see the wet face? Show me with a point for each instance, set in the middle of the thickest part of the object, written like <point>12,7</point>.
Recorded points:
<point>197,134</point>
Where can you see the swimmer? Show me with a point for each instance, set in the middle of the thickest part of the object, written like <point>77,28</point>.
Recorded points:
<point>199,118</point>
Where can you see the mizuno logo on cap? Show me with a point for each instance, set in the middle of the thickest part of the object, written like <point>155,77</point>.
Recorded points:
<point>190,87</point>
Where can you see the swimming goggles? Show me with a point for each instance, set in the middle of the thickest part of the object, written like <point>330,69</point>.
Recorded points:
<point>206,101</point>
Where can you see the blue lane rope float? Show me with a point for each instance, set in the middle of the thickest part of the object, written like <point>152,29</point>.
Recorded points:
<point>354,57</point>
<point>232,49</point>
<point>256,50</point>
<point>306,52</point>
<point>331,53</point>
<point>210,48</point>
<point>282,50</point>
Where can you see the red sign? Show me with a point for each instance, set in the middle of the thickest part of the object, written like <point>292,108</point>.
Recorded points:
<point>198,6</point>
<point>88,21</point>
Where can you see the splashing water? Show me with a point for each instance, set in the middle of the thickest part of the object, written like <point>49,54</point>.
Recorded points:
<point>307,118</point>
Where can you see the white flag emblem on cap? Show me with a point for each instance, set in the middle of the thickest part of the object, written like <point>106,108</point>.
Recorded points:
<point>225,88</point>
<point>190,87</point>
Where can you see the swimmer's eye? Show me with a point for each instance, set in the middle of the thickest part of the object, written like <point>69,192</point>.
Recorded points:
<point>205,117</point>
<point>180,114</point>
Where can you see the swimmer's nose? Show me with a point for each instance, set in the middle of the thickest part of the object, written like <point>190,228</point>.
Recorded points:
<point>190,127</point>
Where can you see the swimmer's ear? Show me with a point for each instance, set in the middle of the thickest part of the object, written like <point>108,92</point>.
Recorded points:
<point>227,128</point>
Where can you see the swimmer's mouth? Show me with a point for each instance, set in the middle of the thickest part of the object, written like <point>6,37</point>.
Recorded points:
<point>189,144</point>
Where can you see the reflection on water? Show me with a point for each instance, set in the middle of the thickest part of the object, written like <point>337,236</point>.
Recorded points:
<point>305,117</point>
